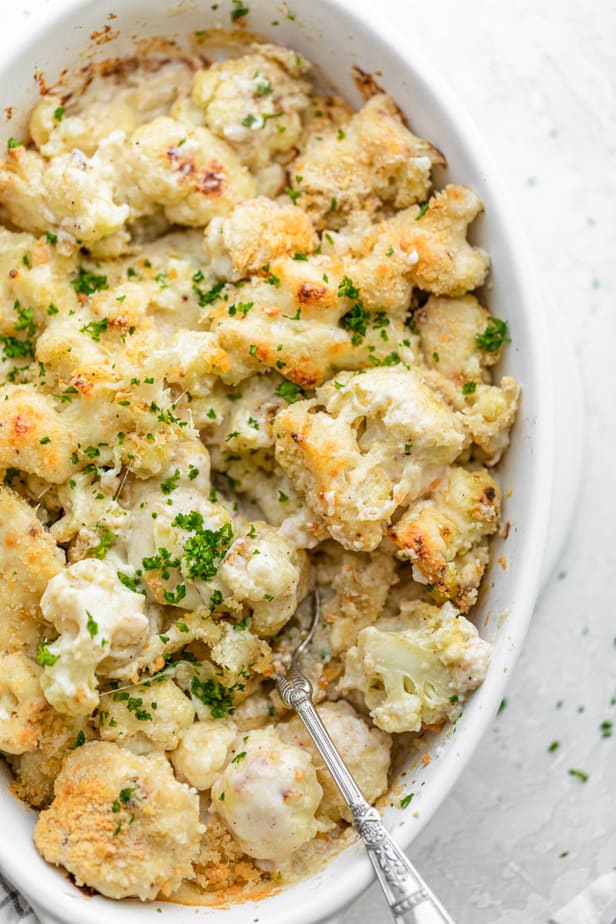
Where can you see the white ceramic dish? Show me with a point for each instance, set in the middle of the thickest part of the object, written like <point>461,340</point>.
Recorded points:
<point>335,35</point>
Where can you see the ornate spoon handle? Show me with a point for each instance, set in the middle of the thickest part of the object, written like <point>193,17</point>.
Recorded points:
<point>411,901</point>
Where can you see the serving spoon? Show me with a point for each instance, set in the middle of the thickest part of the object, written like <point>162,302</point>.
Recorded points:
<point>410,899</point>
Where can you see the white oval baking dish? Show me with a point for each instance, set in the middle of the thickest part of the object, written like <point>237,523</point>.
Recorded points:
<point>335,35</point>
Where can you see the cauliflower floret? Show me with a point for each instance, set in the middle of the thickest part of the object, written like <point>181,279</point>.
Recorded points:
<point>429,247</point>
<point>374,161</point>
<point>102,627</point>
<point>157,713</point>
<point>35,771</point>
<point>29,559</point>
<point>269,573</point>
<point>461,509</point>
<point>255,102</point>
<point>253,234</point>
<point>121,823</point>
<point>72,194</point>
<point>238,652</point>
<point>187,170</point>
<point>84,130</point>
<point>448,328</point>
<point>203,752</point>
<point>21,703</point>
<point>192,359</point>
<point>366,445</point>
<point>33,435</point>
<point>365,751</point>
<point>268,795</point>
<point>360,585</point>
<point>418,668</point>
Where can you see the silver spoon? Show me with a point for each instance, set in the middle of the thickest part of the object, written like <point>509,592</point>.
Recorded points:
<point>410,899</point>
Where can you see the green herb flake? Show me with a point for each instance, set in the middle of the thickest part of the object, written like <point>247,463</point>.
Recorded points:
<point>404,803</point>
<point>79,740</point>
<point>95,329</point>
<point>493,337</point>
<point>99,551</point>
<point>170,484</point>
<point>91,625</point>
<point>469,388</point>
<point>86,282</point>
<point>239,10</point>
<point>58,113</point>
<point>239,757</point>
<point>44,656</point>
<point>553,747</point>
<point>289,391</point>
<point>580,775</point>
<point>422,211</point>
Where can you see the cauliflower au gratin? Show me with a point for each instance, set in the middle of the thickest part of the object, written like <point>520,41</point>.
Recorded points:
<point>239,356</point>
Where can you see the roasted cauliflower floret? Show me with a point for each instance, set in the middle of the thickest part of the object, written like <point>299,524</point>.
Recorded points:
<point>83,130</point>
<point>202,753</point>
<point>255,233</point>
<point>364,749</point>
<point>269,573</point>
<point>151,715</point>
<point>366,445</point>
<point>102,627</point>
<point>33,435</point>
<point>448,330</point>
<point>268,795</point>
<point>429,245</point>
<point>372,162</point>
<point>121,823</point>
<point>187,170</point>
<point>360,584</point>
<point>72,195</point>
<point>418,668</point>
<point>21,703</point>
<point>29,558</point>
<point>255,102</point>
<point>459,512</point>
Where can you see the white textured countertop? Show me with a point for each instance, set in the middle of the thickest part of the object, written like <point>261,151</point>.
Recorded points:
<point>520,836</point>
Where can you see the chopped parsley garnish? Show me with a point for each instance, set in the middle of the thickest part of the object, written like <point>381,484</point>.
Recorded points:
<point>241,307</point>
<point>174,597</point>
<point>289,391</point>
<point>205,550</point>
<point>580,775</point>
<point>346,289</point>
<point>86,282</point>
<point>239,10</point>
<point>13,143</point>
<point>469,388</point>
<point>270,279</point>
<point>293,194</point>
<point>162,561</point>
<point>212,694</point>
<point>99,551</point>
<point>238,757</point>
<point>52,309</point>
<point>553,747</point>
<point>45,440</point>
<point>25,321</point>
<point>340,134</point>
<point>206,298</point>
<point>263,86</point>
<point>45,657</point>
<point>493,337</point>
<point>300,256</point>
<point>91,625</point>
<point>130,582</point>
<point>422,211</point>
<point>170,484</point>
<point>51,237</point>
<point>356,320</point>
<point>58,113</point>
<point>407,800</point>
<point>12,348</point>
<point>606,729</point>
<point>125,794</point>
<point>502,706</point>
<point>79,740</point>
<point>95,329</point>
